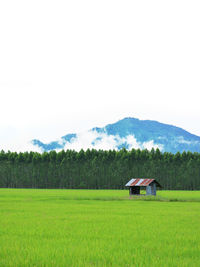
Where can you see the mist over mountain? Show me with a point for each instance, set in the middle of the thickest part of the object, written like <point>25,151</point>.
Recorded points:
<point>127,133</point>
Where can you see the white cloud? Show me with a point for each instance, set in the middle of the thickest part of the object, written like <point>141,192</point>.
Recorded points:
<point>16,140</point>
<point>132,142</point>
<point>181,140</point>
<point>21,141</point>
<point>21,145</point>
<point>87,139</point>
<point>93,139</point>
<point>150,144</point>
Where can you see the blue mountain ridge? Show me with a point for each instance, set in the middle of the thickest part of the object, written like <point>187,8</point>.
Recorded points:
<point>169,138</point>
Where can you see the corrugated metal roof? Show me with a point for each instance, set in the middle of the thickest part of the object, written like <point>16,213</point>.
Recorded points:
<point>140,182</point>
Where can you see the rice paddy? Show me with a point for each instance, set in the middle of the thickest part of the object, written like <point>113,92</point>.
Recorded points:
<point>98,228</point>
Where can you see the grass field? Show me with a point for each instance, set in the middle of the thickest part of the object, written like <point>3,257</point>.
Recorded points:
<point>98,228</point>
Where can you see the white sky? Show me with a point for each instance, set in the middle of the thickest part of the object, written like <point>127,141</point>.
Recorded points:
<point>67,66</point>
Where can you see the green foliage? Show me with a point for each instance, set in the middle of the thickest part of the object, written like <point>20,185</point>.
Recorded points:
<point>100,169</point>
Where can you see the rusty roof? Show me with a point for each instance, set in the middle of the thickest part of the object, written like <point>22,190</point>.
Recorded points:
<point>141,182</point>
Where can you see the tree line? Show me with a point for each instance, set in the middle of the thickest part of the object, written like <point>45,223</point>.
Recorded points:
<point>98,169</point>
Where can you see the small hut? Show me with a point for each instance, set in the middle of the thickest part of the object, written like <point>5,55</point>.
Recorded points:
<point>136,184</point>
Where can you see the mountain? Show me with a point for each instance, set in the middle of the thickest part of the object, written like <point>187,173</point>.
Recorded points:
<point>128,133</point>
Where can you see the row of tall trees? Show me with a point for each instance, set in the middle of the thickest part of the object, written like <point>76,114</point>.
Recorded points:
<point>98,169</point>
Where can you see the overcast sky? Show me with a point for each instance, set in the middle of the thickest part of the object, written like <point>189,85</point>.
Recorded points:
<point>67,66</point>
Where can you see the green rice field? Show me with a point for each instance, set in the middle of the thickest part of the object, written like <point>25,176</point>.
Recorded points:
<point>98,228</point>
